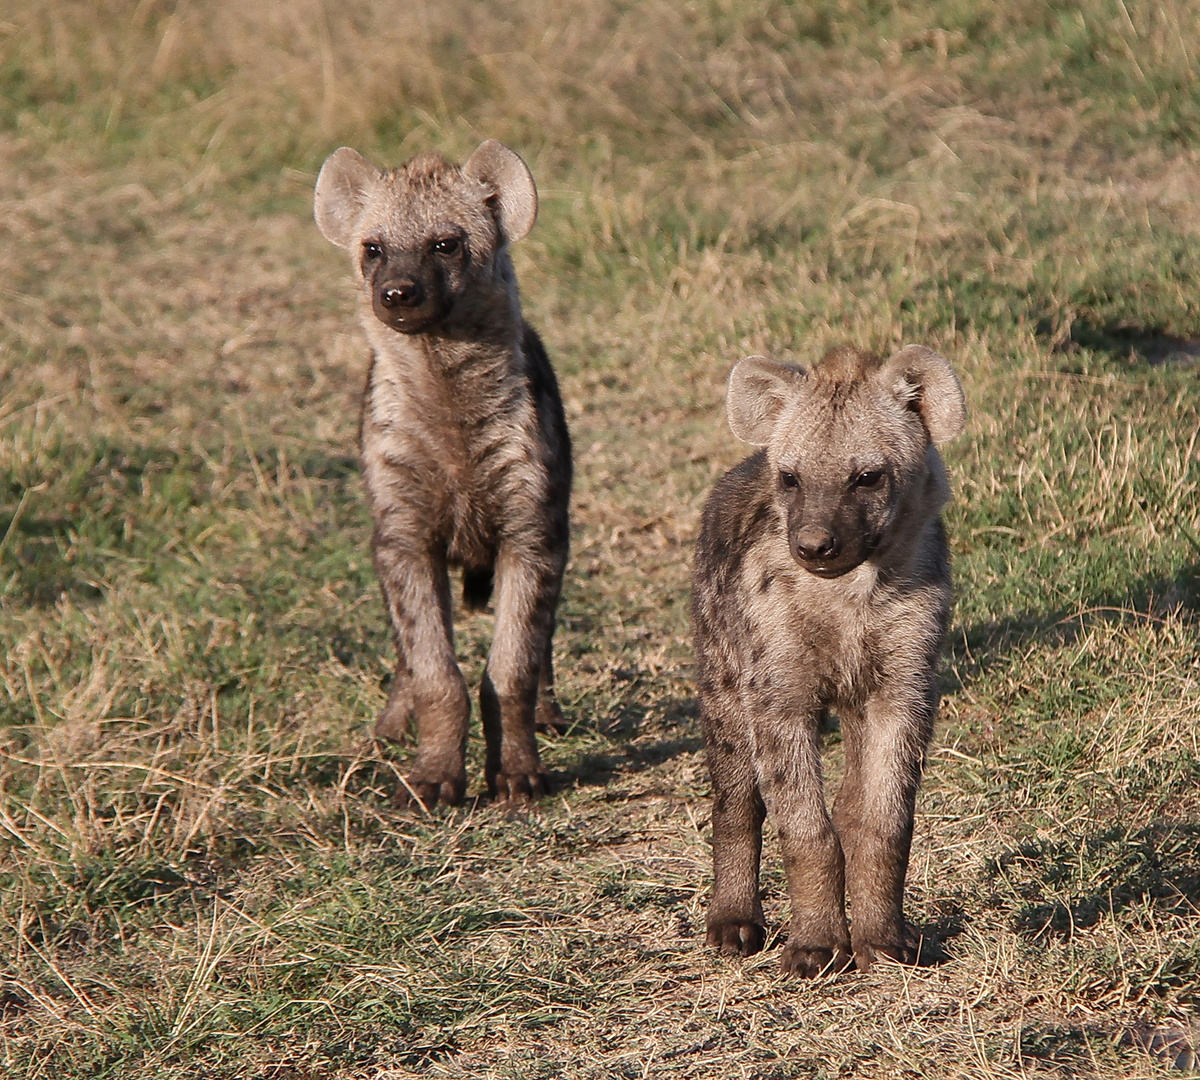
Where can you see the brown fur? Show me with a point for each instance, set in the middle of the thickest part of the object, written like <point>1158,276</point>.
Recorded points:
<point>465,452</point>
<point>822,583</point>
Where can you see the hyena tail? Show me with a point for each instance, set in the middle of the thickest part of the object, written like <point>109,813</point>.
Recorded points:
<point>476,587</point>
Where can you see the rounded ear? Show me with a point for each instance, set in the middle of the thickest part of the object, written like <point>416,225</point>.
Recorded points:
<point>758,390</point>
<point>341,194</point>
<point>924,381</point>
<point>513,194</point>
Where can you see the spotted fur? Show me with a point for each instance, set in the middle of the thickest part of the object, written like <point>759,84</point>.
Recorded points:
<point>822,585</point>
<point>465,452</point>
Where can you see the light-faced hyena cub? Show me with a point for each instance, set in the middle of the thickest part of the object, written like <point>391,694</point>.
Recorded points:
<point>464,450</point>
<point>822,582</point>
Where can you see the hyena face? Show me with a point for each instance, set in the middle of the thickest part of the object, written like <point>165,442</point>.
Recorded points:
<point>847,444</point>
<point>425,238</point>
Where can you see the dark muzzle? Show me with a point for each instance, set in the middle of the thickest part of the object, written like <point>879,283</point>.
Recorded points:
<point>408,304</point>
<point>816,546</point>
<point>402,294</point>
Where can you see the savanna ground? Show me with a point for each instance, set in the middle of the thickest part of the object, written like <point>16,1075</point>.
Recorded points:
<point>200,872</point>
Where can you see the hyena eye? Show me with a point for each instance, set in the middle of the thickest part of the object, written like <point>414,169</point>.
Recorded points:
<point>448,246</point>
<point>371,251</point>
<point>788,479</point>
<point>868,478</point>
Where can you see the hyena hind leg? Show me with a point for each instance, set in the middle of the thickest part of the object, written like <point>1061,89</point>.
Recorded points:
<point>550,717</point>
<point>395,720</point>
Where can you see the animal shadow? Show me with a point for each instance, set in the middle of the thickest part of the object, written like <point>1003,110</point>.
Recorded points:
<point>981,647</point>
<point>1064,886</point>
<point>1125,341</point>
<point>675,732</point>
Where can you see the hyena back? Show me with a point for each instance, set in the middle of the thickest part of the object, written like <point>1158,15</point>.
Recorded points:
<point>465,452</point>
<point>822,584</point>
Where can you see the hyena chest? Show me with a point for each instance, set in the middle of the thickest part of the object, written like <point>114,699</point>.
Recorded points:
<point>471,523</point>
<point>818,637</point>
<point>480,496</point>
<point>459,493</point>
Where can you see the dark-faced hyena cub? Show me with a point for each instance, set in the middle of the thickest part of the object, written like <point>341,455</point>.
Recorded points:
<point>822,582</point>
<point>464,450</point>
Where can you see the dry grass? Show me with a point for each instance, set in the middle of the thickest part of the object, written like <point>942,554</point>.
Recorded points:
<point>199,871</point>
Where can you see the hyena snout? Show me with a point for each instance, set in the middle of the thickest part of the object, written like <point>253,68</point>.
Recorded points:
<point>816,544</point>
<point>405,293</point>
<point>829,534</point>
<point>407,301</point>
<point>831,546</point>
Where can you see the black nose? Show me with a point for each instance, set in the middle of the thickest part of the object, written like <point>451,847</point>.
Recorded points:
<point>818,548</point>
<point>402,294</point>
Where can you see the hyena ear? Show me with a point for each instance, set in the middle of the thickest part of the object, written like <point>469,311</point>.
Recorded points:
<point>758,391</point>
<point>513,193</point>
<point>341,194</point>
<point>924,381</point>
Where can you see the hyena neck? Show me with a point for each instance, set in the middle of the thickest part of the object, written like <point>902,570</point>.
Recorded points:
<point>906,555</point>
<point>442,363</point>
<point>465,380</point>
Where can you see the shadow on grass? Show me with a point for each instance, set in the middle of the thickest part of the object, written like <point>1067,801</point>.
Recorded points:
<point>947,923</point>
<point>932,936</point>
<point>62,538</point>
<point>35,546</point>
<point>634,754</point>
<point>1065,1047</point>
<point>979,648</point>
<point>1064,886</point>
<point>1124,341</point>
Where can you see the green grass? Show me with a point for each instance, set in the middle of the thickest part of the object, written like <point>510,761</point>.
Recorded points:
<point>201,874</point>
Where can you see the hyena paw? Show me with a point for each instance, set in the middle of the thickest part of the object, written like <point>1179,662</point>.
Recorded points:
<point>902,949</point>
<point>736,938</point>
<point>550,717</point>
<point>414,790</point>
<point>516,788</point>
<point>809,961</point>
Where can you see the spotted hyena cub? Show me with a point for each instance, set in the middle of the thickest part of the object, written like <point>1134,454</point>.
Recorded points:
<point>464,450</point>
<point>822,584</point>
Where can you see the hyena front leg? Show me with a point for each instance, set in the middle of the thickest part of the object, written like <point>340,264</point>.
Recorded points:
<point>885,752</point>
<point>788,760</point>
<point>429,684</point>
<point>735,921</point>
<point>526,595</point>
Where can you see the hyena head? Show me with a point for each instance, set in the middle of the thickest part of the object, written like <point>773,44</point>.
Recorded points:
<point>850,446</point>
<point>429,240</point>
